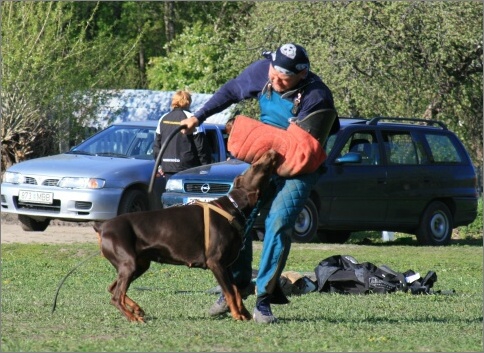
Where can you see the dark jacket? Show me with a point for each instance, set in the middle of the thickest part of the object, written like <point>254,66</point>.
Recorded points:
<point>250,84</point>
<point>183,151</point>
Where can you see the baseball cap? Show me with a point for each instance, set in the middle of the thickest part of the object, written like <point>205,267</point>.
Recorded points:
<point>290,59</point>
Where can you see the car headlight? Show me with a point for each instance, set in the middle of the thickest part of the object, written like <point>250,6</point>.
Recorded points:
<point>81,183</point>
<point>14,178</point>
<point>174,185</point>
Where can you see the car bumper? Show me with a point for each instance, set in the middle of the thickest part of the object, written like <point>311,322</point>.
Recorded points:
<point>466,210</point>
<point>67,204</point>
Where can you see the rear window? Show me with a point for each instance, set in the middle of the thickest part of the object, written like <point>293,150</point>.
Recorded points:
<point>442,149</point>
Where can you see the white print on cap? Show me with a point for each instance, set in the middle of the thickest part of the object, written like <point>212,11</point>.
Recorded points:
<point>289,50</point>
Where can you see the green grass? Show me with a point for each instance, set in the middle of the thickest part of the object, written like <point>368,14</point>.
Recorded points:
<point>176,303</point>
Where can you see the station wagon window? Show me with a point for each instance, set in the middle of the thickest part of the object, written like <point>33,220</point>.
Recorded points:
<point>400,148</point>
<point>442,149</point>
<point>365,143</point>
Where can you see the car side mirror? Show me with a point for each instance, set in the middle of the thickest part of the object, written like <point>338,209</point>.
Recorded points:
<point>350,157</point>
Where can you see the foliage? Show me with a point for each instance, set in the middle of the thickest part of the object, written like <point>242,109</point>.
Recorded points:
<point>190,64</point>
<point>420,59</point>
<point>46,61</point>
<point>195,58</point>
<point>385,58</point>
<point>175,301</point>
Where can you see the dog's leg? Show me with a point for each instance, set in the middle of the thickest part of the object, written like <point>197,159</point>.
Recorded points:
<point>127,272</point>
<point>240,303</point>
<point>230,291</point>
<point>118,298</point>
<point>131,305</point>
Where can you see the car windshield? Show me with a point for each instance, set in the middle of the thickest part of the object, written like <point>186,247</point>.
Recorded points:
<point>119,141</point>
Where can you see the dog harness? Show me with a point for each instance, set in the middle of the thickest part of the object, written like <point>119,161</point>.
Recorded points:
<point>206,219</point>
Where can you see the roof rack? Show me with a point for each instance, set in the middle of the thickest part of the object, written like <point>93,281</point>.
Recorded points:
<point>375,121</point>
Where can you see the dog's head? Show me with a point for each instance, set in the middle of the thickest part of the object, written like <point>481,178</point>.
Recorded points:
<point>258,176</point>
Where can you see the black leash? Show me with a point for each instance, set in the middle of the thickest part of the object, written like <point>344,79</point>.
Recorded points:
<point>160,154</point>
<point>67,275</point>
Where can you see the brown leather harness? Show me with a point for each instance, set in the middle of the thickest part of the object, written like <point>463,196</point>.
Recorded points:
<point>206,206</point>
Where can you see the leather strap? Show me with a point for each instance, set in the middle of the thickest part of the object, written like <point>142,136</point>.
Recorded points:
<point>206,218</point>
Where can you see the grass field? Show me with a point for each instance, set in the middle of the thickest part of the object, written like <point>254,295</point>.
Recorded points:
<point>176,301</point>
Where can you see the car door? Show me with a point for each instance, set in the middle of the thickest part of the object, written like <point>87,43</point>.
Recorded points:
<point>410,180</point>
<point>217,142</point>
<point>358,190</point>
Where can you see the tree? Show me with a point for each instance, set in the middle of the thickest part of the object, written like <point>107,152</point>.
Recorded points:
<point>195,57</point>
<point>48,61</point>
<point>414,59</point>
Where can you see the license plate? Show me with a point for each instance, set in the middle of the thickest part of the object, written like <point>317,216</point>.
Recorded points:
<point>36,196</point>
<point>202,199</point>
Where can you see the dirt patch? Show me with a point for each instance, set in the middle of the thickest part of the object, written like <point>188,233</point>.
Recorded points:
<point>58,232</point>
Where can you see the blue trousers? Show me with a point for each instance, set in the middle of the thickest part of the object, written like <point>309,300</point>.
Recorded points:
<point>287,202</point>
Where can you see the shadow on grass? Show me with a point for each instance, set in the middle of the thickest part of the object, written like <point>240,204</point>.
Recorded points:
<point>374,239</point>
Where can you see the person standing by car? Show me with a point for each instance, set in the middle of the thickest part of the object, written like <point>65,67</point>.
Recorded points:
<point>184,150</point>
<point>286,90</point>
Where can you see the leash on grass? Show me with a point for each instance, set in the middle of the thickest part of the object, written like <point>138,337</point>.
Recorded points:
<point>160,154</point>
<point>67,275</point>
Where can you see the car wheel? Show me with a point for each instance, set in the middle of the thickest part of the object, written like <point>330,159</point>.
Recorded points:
<point>306,225</point>
<point>133,201</point>
<point>436,225</point>
<point>333,236</point>
<point>31,225</point>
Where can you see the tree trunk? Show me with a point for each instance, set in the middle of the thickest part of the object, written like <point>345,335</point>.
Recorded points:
<point>169,22</point>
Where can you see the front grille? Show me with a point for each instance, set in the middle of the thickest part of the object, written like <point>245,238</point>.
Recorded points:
<point>30,181</point>
<point>50,182</point>
<point>215,188</point>
<point>40,181</point>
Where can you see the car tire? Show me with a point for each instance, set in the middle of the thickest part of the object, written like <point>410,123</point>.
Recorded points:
<point>29,224</point>
<point>133,201</point>
<point>306,225</point>
<point>333,236</point>
<point>436,225</point>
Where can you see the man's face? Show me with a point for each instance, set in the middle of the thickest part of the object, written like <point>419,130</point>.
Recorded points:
<point>282,82</point>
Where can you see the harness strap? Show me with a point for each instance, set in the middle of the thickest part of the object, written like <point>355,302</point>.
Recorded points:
<point>206,218</point>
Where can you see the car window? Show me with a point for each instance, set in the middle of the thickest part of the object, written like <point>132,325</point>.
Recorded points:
<point>364,143</point>
<point>120,141</point>
<point>442,149</point>
<point>400,148</point>
<point>142,144</point>
<point>211,136</point>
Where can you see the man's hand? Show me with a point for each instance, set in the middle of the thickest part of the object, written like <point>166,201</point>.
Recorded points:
<point>191,124</point>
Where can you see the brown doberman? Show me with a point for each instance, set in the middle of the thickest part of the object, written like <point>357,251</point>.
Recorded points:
<point>203,235</point>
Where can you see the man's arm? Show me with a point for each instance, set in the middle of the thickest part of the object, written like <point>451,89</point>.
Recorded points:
<point>247,85</point>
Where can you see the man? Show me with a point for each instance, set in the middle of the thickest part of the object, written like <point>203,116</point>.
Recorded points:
<point>184,151</point>
<point>286,90</point>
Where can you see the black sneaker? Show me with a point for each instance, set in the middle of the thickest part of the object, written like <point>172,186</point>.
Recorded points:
<point>220,307</point>
<point>263,313</point>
